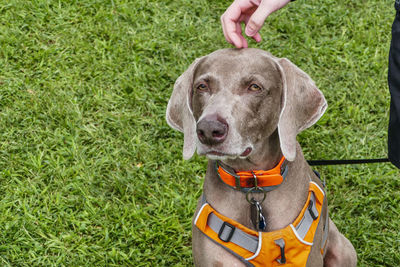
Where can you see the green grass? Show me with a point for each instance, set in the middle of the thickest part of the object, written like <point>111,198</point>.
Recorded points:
<point>90,173</point>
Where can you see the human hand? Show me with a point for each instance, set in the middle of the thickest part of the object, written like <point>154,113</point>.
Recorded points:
<point>253,13</point>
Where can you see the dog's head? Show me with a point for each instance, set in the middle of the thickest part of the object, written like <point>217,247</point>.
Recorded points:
<point>230,103</point>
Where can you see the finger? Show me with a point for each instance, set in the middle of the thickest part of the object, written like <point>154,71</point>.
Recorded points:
<point>256,20</point>
<point>242,39</point>
<point>230,31</point>
<point>234,36</point>
<point>257,37</point>
<point>225,35</point>
<point>259,16</point>
<point>230,20</point>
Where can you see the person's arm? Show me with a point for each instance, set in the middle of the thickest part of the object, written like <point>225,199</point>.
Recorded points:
<point>253,13</point>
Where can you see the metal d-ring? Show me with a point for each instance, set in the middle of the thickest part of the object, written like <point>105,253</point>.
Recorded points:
<point>255,188</point>
<point>251,190</point>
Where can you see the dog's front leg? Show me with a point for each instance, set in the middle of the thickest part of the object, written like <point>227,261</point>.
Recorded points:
<point>340,252</point>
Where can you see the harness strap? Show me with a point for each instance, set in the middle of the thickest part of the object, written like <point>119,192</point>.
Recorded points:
<point>310,215</point>
<point>236,235</point>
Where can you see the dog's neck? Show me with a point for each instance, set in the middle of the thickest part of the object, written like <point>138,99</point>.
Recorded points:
<point>281,205</point>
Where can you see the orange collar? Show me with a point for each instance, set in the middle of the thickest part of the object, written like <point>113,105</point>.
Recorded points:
<point>246,180</point>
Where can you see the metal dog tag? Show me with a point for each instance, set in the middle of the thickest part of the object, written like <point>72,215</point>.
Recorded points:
<point>257,217</point>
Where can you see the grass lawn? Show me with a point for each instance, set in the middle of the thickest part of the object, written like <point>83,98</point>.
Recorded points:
<point>90,172</point>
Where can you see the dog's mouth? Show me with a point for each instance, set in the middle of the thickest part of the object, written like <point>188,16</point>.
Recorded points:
<point>214,154</point>
<point>217,153</point>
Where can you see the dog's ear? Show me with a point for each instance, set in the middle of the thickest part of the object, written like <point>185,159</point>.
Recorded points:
<point>179,112</point>
<point>302,106</point>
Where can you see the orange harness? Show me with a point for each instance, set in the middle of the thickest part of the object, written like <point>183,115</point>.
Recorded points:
<point>290,245</point>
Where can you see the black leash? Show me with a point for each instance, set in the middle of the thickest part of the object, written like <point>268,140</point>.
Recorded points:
<point>345,161</point>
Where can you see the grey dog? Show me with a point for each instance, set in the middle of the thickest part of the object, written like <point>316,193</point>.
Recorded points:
<point>244,109</point>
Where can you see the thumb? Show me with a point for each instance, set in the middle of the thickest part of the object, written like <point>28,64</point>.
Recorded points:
<point>265,8</point>
<point>256,20</point>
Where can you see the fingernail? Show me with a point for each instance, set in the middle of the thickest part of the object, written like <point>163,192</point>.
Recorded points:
<point>250,31</point>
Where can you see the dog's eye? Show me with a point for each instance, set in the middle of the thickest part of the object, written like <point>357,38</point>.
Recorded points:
<point>202,87</point>
<point>254,87</point>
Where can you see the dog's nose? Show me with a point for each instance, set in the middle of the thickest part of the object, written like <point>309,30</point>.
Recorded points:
<point>212,130</point>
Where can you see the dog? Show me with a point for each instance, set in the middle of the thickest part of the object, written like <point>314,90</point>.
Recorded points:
<point>262,205</point>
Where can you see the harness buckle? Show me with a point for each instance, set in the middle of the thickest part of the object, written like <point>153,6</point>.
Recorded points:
<point>313,212</point>
<point>221,231</point>
<point>281,244</point>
